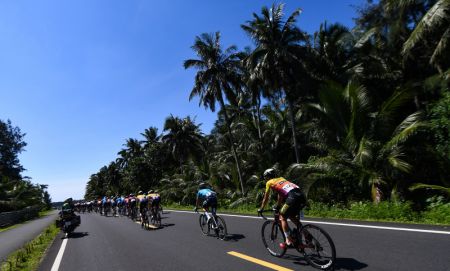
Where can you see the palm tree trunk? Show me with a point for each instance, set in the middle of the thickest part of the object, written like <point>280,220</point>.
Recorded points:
<point>258,119</point>
<point>294,135</point>
<point>233,148</point>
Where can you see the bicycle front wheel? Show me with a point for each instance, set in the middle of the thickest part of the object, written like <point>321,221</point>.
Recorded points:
<point>221,228</point>
<point>273,237</point>
<point>318,247</point>
<point>204,226</point>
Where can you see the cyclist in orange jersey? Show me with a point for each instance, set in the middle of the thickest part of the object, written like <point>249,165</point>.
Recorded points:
<point>290,198</point>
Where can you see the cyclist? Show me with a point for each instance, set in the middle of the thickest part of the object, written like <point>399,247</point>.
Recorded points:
<point>154,199</point>
<point>289,194</point>
<point>208,198</point>
<point>132,206</point>
<point>142,202</point>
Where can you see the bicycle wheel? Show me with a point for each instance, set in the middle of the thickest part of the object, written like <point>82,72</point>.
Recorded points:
<point>156,219</point>
<point>204,225</point>
<point>221,230</point>
<point>272,237</point>
<point>318,247</point>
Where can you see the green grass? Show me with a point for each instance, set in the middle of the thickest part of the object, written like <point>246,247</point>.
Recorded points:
<point>10,227</point>
<point>29,256</point>
<point>385,212</point>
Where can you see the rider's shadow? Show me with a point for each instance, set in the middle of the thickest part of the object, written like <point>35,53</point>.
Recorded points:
<point>75,235</point>
<point>340,263</point>
<point>348,264</point>
<point>234,237</point>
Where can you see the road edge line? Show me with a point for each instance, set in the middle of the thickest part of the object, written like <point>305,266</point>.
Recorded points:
<point>57,262</point>
<point>338,224</point>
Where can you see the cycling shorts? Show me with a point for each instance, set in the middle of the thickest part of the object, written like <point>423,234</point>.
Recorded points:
<point>210,202</point>
<point>295,201</point>
<point>156,201</point>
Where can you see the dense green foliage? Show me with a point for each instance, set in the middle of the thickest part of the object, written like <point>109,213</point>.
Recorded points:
<point>16,191</point>
<point>349,114</point>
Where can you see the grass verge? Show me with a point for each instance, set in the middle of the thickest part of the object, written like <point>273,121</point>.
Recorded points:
<point>400,212</point>
<point>30,255</point>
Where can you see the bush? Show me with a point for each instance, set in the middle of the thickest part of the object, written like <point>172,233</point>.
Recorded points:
<point>391,211</point>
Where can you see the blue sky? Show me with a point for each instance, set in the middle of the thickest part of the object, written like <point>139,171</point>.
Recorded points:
<point>79,77</point>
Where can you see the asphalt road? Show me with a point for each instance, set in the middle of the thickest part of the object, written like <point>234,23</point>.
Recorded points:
<point>112,243</point>
<point>15,238</point>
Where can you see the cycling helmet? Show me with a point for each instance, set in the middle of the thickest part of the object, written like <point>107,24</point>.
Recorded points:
<point>140,192</point>
<point>203,185</point>
<point>270,174</point>
<point>156,191</point>
<point>151,191</point>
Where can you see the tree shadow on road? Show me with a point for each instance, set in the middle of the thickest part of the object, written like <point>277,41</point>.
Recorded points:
<point>235,237</point>
<point>349,264</point>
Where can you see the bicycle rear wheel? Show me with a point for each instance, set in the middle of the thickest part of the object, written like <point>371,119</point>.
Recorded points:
<point>272,237</point>
<point>221,228</point>
<point>156,219</point>
<point>204,226</point>
<point>318,247</point>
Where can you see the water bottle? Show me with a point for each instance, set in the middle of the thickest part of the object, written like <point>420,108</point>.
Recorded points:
<point>302,215</point>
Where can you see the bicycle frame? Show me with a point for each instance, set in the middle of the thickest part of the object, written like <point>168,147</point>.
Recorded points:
<point>212,216</point>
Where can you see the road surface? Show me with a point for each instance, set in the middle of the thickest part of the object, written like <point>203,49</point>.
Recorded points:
<point>15,238</point>
<point>117,243</point>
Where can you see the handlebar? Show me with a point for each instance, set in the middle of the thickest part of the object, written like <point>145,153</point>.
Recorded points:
<point>260,214</point>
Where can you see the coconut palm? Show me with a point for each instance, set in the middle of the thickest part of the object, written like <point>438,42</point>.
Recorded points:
<point>184,138</point>
<point>277,62</point>
<point>369,143</point>
<point>433,31</point>
<point>217,78</point>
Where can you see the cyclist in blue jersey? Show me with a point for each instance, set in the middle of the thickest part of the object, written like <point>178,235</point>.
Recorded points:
<point>207,197</point>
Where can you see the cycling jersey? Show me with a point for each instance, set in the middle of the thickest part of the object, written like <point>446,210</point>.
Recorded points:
<point>281,186</point>
<point>206,193</point>
<point>153,196</point>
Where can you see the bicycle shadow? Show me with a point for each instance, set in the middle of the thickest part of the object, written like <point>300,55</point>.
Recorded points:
<point>234,237</point>
<point>75,235</point>
<point>349,264</point>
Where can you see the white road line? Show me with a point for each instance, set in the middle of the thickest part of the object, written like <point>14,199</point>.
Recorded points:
<point>58,259</point>
<point>339,224</point>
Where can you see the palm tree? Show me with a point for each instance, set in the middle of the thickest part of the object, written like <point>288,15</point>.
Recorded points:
<point>217,78</point>
<point>183,138</point>
<point>367,143</point>
<point>277,59</point>
<point>333,44</point>
<point>150,136</point>
<point>433,31</point>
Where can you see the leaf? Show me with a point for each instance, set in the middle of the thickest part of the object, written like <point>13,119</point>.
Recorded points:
<point>417,186</point>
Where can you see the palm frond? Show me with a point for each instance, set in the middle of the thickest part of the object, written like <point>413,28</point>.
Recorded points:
<point>433,19</point>
<point>396,162</point>
<point>416,186</point>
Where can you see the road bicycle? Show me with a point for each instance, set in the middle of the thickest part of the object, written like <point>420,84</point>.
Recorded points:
<point>212,222</point>
<point>312,241</point>
<point>144,219</point>
<point>155,218</point>
<point>114,210</point>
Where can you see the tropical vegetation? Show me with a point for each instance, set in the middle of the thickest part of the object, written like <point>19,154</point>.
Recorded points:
<point>17,191</point>
<point>351,115</point>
